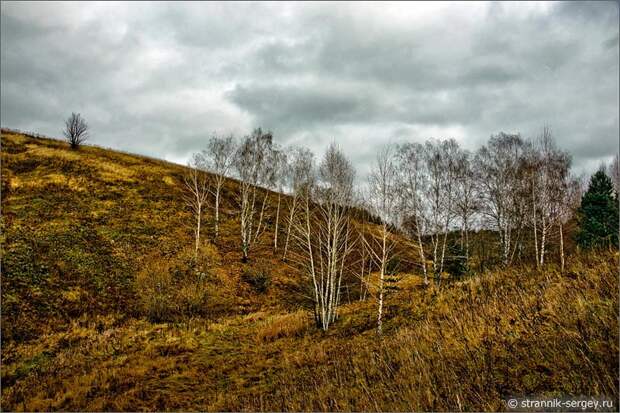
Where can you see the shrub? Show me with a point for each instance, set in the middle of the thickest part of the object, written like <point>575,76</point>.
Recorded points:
<point>154,288</point>
<point>192,298</point>
<point>393,266</point>
<point>202,266</point>
<point>177,287</point>
<point>258,278</point>
<point>456,260</point>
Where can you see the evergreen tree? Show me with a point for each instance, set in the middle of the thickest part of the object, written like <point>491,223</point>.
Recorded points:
<point>456,261</point>
<point>598,214</point>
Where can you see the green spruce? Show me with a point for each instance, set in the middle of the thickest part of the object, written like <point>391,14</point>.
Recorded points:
<point>598,214</point>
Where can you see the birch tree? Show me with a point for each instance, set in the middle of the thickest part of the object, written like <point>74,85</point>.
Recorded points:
<point>531,167</point>
<point>549,171</point>
<point>324,232</point>
<point>466,202</point>
<point>450,153</point>
<point>365,259</point>
<point>220,157</point>
<point>252,165</point>
<point>279,180</point>
<point>499,174</point>
<point>440,161</point>
<point>568,199</point>
<point>546,149</point>
<point>412,185</point>
<point>298,173</point>
<point>196,193</point>
<point>383,202</point>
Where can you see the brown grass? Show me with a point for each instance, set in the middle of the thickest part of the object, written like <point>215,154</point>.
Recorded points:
<point>85,249</point>
<point>463,347</point>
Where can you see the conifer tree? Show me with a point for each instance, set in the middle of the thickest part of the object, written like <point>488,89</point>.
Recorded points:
<point>598,214</point>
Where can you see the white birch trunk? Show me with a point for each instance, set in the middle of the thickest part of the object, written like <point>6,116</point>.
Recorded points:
<point>290,224</point>
<point>561,246</point>
<point>198,221</point>
<point>535,225</point>
<point>275,236</point>
<point>217,212</point>
<point>542,240</point>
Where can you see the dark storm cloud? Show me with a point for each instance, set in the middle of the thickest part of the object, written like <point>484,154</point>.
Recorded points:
<point>159,78</point>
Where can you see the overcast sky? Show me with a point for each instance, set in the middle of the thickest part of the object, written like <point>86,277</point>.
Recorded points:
<point>159,78</point>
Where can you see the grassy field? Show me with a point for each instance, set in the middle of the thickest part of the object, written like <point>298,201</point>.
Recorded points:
<point>84,231</point>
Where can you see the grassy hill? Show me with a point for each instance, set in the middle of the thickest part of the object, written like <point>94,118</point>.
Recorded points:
<point>84,231</point>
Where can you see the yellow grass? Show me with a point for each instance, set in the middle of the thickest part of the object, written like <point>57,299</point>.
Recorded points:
<point>88,236</point>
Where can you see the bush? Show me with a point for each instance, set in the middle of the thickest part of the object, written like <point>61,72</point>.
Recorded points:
<point>201,267</point>
<point>393,266</point>
<point>178,287</point>
<point>456,261</point>
<point>154,288</point>
<point>258,278</point>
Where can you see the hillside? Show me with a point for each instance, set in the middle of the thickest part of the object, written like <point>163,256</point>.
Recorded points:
<point>83,230</point>
<point>80,224</point>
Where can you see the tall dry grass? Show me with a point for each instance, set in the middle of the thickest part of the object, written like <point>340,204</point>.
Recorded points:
<point>512,332</point>
<point>459,348</point>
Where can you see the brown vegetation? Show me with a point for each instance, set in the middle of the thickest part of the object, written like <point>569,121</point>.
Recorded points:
<point>105,307</point>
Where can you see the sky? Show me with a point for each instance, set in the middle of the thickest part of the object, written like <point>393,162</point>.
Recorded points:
<point>160,78</point>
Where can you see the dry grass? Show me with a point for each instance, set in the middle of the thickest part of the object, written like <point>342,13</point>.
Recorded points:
<point>283,325</point>
<point>83,248</point>
<point>460,348</point>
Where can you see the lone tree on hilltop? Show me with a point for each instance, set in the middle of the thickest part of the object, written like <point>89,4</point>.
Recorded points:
<point>76,130</point>
<point>598,214</point>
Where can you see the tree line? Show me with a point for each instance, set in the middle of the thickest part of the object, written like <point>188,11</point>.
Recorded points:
<point>422,197</point>
<point>520,189</point>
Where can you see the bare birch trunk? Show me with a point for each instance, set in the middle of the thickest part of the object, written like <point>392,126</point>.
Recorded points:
<point>275,236</point>
<point>542,240</point>
<point>466,226</point>
<point>290,224</point>
<point>443,251</point>
<point>535,225</point>
<point>381,277</point>
<point>217,212</point>
<point>198,220</point>
<point>435,240</point>
<point>561,246</point>
<point>421,248</point>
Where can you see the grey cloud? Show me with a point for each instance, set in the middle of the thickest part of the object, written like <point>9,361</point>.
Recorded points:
<point>158,78</point>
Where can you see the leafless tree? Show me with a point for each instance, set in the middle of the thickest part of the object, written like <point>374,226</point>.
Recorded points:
<point>383,202</point>
<point>324,233</point>
<point>253,169</point>
<point>499,172</point>
<point>531,166</point>
<point>365,260</point>
<point>450,154</point>
<point>568,201</point>
<point>197,191</point>
<point>548,170</point>
<point>544,146</point>
<point>412,186</point>
<point>76,130</point>
<point>298,173</point>
<point>219,158</point>
<point>441,167</point>
<point>279,166</point>
<point>466,201</point>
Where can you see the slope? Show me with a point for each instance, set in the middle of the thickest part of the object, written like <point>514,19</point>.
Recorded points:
<point>80,227</point>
